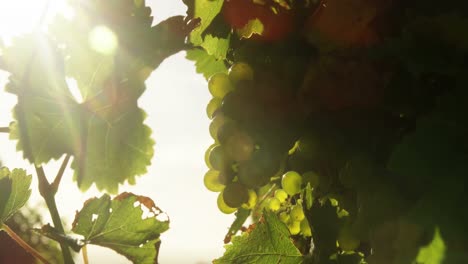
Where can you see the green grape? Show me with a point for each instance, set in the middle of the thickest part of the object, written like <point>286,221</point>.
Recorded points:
<point>218,121</point>
<point>223,207</point>
<point>240,72</point>
<point>291,182</point>
<point>213,105</point>
<point>294,227</point>
<point>226,175</point>
<point>219,85</point>
<point>273,204</point>
<point>284,217</point>
<point>281,195</point>
<point>250,204</point>
<point>297,213</point>
<point>240,146</point>
<point>207,155</point>
<point>347,240</point>
<point>258,170</point>
<point>226,131</point>
<point>305,228</point>
<point>211,181</point>
<point>235,194</point>
<point>312,178</point>
<point>217,158</point>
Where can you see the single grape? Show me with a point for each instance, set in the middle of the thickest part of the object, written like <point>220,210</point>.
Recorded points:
<point>218,121</point>
<point>235,194</point>
<point>284,217</point>
<point>226,130</point>
<point>294,227</point>
<point>226,175</point>
<point>297,213</point>
<point>211,181</point>
<point>257,171</point>
<point>281,195</point>
<point>240,146</point>
<point>207,155</point>
<point>305,228</point>
<point>273,204</point>
<point>213,105</point>
<point>312,178</point>
<point>217,158</point>
<point>219,85</point>
<point>240,72</point>
<point>252,200</point>
<point>291,182</point>
<point>223,207</point>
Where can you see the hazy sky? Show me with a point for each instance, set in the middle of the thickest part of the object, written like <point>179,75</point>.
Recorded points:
<point>175,102</point>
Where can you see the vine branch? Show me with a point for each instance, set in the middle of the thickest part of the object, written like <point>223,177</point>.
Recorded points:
<point>4,130</point>
<point>55,184</point>
<point>23,244</point>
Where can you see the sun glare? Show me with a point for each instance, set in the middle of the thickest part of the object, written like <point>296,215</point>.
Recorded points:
<point>103,40</point>
<point>21,16</point>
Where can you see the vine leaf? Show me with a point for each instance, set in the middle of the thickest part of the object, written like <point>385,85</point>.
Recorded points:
<point>268,242</point>
<point>204,63</point>
<point>433,253</point>
<point>206,10</point>
<point>47,114</point>
<point>122,225</point>
<point>15,191</point>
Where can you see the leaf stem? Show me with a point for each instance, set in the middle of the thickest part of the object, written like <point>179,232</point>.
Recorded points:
<point>84,252</point>
<point>23,244</point>
<point>55,184</point>
<point>4,130</point>
<point>45,189</point>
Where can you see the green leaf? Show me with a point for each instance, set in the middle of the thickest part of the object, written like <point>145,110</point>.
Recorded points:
<point>254,26</point>
<point>217,47</point>
<point>16,186</point>
<point>47,114</point>
<point>206,64</point>
<point>241,216</point>
<point>433,253</point>
<point>117,146</point>
<point>206,10</point>
<point>267,243</point>
<point>119,224</point>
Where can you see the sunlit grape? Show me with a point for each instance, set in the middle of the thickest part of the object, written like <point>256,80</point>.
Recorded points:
<point>240,72</point>
<point>252,200</point>
<point>281,195</point>
<point>291,182</point>
<point>235,194</point>
<point>207,155</point>
<point>219,85</point>
<point>240,146</point>
<point>273,204</point>
<point>284,217</point>
<point>223,207</point>
<point>305,228</point>
<point>294,227</point>
<point>213,105</point>
<point>218,121</point>
<point>312,178</point>
<point>297,213</point>
<point>211,181</point>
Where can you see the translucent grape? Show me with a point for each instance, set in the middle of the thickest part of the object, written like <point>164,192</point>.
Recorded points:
<point>235,194</point>
<point>217,158</point>
<point>217,122</point>
<point>297,213</point>
<point>240,146</point>
<point>213,105</point>
<point>252,200</point>
<point>284,217</point>
<point>273,204</point>
<point>305,228</point>
<point>291,182</point>
<point>219,85</point>
<point>281,195</point>
<point>211,181</point>
<point>223,207</point>
<point>294,227</point>
<point>312,178</point>
<point>240,72</point>
<point>207,155</point>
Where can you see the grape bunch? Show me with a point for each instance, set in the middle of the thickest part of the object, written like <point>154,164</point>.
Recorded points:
<point>252,126</point>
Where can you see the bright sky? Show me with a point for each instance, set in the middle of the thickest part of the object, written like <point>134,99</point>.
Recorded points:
<point>175,102</point>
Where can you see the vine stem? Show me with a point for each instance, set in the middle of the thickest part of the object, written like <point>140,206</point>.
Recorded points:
<point>55,184</point>
<point>84,252</point>
<point>23,244</point>
<point>4,130</point>
<point>45,189</point>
